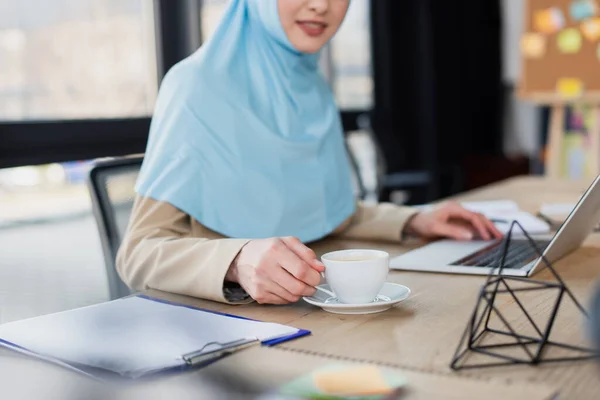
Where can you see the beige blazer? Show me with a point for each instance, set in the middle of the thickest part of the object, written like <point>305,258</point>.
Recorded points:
<point>166,249</point>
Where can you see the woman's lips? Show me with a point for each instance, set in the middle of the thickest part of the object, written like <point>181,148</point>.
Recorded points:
<point>312,28</point>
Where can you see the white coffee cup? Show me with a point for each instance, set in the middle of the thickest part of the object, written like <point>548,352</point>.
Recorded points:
<point>356,276</point>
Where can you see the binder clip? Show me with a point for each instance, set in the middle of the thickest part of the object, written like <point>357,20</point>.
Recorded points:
<point>206,354</point>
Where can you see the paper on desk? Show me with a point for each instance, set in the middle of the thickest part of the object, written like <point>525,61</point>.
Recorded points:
<point>492,207</point>
<point>506,210</point>
<point>509,211</point>
<point>530,223</point>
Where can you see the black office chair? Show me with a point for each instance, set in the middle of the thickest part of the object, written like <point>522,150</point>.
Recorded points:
<point>111,186</point>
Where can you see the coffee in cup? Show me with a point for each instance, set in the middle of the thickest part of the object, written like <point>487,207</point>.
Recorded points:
<point>356,276</point>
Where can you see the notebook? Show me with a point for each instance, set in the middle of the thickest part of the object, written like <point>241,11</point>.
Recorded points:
<point>137,336</point>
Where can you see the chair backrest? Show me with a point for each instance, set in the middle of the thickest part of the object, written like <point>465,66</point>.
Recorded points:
<point>111,186</point>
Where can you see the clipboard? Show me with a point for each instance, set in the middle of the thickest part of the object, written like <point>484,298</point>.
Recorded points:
<point>271,342</point>
<point>118,357</point>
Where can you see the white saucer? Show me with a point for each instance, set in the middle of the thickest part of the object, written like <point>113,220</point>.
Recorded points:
<point>390,294</point>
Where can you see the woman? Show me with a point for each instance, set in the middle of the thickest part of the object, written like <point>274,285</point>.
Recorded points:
<point>246,163</point>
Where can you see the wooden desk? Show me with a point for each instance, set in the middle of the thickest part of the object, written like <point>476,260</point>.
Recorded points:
<point>421,334</point>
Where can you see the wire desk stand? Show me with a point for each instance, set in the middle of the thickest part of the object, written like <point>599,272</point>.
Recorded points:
<point>534,346</point>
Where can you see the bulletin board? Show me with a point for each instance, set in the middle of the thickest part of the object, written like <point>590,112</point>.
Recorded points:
<point>560,51</point>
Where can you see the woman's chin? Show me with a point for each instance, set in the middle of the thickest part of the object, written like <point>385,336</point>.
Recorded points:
<point>308,46</point>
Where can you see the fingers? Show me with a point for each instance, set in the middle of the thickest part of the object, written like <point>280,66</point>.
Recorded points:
<point>492,228</point>
<point>294,287</point>
<point>482,225</point>
<point>475,219</point>
<point>489,227</point>
<point>284,274</point>
<point>305,253</point>
<point>452,231</point>
<point>260,286</point>
<point>278,271</point>
<point>269,298</point>
<point>298,268</point>
<point>274,285</point>
<point>269,285</point>
<point>267,290</point>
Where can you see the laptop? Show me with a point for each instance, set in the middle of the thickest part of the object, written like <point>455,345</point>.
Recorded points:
<point>481,257</point>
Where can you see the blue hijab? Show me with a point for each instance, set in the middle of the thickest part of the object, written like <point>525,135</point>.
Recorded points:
<point>246,137</point>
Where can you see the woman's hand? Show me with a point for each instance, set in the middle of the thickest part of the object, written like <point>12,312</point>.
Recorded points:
<point>276,270</point>
<point>453,221</point>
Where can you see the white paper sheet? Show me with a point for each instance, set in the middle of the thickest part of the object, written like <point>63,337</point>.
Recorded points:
<point>493,207</point>
<point>509,211</point>
<point>531,224</point>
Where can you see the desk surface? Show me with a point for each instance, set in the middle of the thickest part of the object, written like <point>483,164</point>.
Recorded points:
<point>422,333</point>
<point>419,336</point>
<point>420,385</point>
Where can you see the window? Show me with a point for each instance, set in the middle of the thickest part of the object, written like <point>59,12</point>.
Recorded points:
<point>351,59</point>
<point>93,63</point>
<point>346,62</point>
<point>76,59</point>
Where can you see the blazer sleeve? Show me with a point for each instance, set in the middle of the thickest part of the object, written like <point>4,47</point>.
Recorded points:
<point>384,222</point>
<point>161,250</point>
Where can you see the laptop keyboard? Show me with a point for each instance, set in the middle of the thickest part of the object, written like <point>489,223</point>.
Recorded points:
<point>520,253</point>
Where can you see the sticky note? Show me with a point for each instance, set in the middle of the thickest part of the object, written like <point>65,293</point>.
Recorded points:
<point>582,9</point>
<point>591,29</point>
<point>354,381</point>
<point>549,20</point>
<point>533,45</point>
<point>569,87</point>
<point>343,382</point>
<point>569,41</point>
